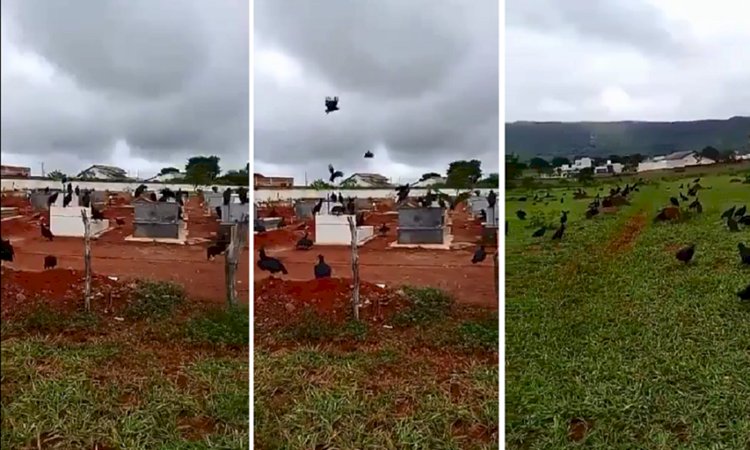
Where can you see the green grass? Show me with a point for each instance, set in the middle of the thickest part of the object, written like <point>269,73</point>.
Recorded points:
<point>428,381</point>
<point>651,353</point>
<point>154,299</point>
<point>149,384</point>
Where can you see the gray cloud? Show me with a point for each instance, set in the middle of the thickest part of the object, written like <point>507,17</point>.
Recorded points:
<point>417,81</point>
<point>169,79</point>
<point>618,60</point>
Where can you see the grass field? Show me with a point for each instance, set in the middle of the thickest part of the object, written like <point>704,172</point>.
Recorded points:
<point>88,382</point>
<point>430,381</point>
<point>614,344</point>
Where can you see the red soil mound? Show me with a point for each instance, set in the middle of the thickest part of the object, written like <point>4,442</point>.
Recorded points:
<point>60,288</point>
<point>284,237</point>
<point>279,302</point>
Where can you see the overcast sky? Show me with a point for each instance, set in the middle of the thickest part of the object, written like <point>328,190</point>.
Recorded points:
<point>417,82</point>
<point>140,84</point>
<point>627,59</point>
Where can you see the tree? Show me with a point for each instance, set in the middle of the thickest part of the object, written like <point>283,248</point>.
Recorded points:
<point>349,183</point>
<point>585,175</point>
<point>513,168</point>
<point>235,178</point>
<point>320,185</point>
<point>167,170</point>
<point>463,174</point>
<point>710,153</point>
<point>202,170</point>
<point>558,161</point>
<point>617,159</point>
<point>206,165</point>
<point>56,175</point>
<point>539,164</point>
<point>492,181</point>
<point>427,176</point>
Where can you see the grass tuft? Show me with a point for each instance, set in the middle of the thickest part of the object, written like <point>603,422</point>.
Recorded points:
<point>427,305</point>
<point>154,299</point>
<point>221,327</point>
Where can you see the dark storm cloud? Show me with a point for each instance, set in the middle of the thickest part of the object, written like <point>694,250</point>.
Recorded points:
<point>169,78</point>
<point>625,60</point>
<point>419,78</point>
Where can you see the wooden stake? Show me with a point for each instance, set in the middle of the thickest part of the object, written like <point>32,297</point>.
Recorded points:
<point>237,237</point>
<point>355,267</point>
<point>87,259</point>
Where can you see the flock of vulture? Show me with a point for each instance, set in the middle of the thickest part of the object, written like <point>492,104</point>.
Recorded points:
<point>732,218</point>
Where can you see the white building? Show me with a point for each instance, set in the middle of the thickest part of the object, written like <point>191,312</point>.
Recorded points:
<point>610,167</point>
<point>676,160</point>
<point>367,180</point>
<point>570,169</point>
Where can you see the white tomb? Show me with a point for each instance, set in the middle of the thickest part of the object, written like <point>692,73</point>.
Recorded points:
<point>334,230</point>
<point>68,222</point>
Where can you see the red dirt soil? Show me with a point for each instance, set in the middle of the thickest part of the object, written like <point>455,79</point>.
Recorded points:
<point>112,256</point>
<point>60,288</point>
<point>450,270</point>
<point>280,301</point>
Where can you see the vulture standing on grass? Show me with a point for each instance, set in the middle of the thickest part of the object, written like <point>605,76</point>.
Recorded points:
<point>745,293</point>
<point>686,254</point>
<point>744,253</point>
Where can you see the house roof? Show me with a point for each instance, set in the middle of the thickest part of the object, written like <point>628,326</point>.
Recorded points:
<point>109,171</point>
<point>678,155</point>
<point>372,178</point>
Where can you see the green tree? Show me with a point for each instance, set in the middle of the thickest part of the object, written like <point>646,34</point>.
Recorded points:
<point>320,185</point>
<point>202,170</point>
<point>427,176</point>
<point>56,175</point>
<point>235,178</point>
<point>539,164</point>
<point>513,168</point>
<point>710,153</point>
<point>167,170</point>
<point>558,161</point>
<point>205,165</point>
<point>349,183</point>
<point>492,181</point>
<point>463,174</point>
<point>585,175</point>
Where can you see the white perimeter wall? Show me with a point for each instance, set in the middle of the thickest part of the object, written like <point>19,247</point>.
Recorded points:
<point>30,184</point>
<point>262,195</point>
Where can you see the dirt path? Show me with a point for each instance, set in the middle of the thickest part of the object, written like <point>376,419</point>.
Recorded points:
<point>628,234</point>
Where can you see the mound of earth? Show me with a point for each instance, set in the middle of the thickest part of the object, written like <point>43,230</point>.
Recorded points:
<point>280,302</point>
<point>61,289</point>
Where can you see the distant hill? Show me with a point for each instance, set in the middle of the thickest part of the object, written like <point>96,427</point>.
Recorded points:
<point>529,139</point>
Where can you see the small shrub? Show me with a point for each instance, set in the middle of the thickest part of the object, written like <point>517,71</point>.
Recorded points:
<point>154,299</point>
<point>221,326</point>
<point>427,305</point>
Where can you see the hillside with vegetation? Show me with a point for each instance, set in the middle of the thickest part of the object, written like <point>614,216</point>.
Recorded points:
<point>529,139</point>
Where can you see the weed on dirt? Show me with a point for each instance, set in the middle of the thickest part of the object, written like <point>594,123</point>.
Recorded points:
<point>613,343</point>
<point>325,383</point>
<point>72,380</point>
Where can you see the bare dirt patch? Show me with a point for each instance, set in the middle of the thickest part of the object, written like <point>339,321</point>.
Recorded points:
<point>578,428</point>
<point>627,236</point>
